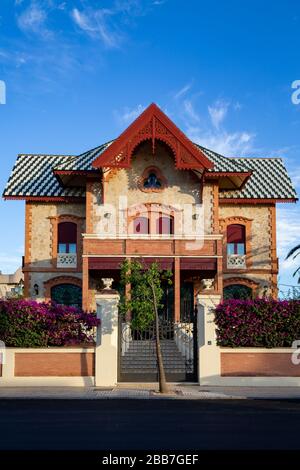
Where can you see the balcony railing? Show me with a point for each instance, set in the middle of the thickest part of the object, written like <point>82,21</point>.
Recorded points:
<point>236,261</point>
<point>66,260</point>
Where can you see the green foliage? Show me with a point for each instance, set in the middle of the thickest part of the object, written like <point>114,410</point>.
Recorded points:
<point>145,287</point>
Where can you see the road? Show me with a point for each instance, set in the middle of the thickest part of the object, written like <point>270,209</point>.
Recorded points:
<point>149,424</point>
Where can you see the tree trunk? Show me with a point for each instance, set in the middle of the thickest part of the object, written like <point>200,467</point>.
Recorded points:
<point>163,387</point>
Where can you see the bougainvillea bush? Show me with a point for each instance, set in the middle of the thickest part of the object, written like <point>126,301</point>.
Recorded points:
<point>26,323</point>
<point>263,323</point>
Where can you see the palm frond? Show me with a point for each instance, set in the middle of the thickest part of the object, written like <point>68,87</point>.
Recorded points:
<point>292,251</point>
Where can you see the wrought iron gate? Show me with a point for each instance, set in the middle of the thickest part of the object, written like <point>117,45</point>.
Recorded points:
<point>137,348</point>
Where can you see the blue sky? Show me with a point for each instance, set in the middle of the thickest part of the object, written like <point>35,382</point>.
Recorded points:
<point>77,73</point>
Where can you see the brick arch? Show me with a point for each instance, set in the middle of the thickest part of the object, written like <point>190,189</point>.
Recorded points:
<point>224,223</point>
<point>60,280</point>
<point>151,209</point>
<point>79,221</point>
<point>160,176</point>
<point>253,285</point>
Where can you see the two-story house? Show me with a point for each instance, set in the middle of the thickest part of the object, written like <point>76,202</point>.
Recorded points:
<point>77,230</point>
<point>151,193</point>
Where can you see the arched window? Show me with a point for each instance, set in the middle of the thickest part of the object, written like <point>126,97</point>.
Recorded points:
<point>236,239</point>
<point>141,225</point>
<point>67,237</point>
<point>152,181</point>
<point>165,225</point>
<point>237,291</point>
<point>67,294</point>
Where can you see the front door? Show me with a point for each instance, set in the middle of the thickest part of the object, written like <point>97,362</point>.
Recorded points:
<point>137,349</point>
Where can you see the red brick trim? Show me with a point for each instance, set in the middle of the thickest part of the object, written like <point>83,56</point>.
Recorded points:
<point>224,222</point>
<point>79,221</point>
<point>60,280</point>
<point>253,285</point>
<point>160,176</point>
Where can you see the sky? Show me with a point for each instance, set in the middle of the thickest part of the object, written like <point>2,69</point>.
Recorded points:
<point>78,72</point>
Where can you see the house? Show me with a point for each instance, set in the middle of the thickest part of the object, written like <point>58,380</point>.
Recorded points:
<point>151,193</point>
<point>11,284</point>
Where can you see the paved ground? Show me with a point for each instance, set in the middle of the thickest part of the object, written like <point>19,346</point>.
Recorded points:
<point>149,424</point>
<point>148,391</point>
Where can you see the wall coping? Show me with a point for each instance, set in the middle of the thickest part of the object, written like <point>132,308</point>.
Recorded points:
<point>61,350</point>
<point>134,236</point>
<point>258,350</point>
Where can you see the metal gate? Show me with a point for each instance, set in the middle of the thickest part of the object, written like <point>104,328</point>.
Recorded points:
<point>137,348</point>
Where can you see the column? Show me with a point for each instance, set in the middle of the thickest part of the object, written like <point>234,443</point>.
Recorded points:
<point>106,352</point>
<point>177,290</point>
<point>209,364</point>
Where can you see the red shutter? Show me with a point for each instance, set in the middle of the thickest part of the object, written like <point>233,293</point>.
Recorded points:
<point>67,232</point>
<point>236,233</point>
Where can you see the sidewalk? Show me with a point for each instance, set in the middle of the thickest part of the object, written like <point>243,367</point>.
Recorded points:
<point>149,391</point>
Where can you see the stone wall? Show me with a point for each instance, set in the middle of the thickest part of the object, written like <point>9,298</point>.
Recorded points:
<point>260,239</point>
<point>182,187</point>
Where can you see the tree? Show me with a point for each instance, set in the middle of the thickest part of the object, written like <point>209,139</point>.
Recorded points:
<point>143,302</point>
<point>293,253</point>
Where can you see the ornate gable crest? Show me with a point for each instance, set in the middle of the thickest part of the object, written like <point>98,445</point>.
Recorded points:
<point>153,125</point>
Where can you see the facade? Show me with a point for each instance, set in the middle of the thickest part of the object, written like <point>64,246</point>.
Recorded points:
<point>75,234</point>
<point>155,195</point>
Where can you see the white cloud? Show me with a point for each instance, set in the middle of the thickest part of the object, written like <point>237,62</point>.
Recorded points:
<point>33,19</point>
<point>233,144</point>
<point>127,115</point>
<point>182,91</point>
<point>98,24</point>
<point>190,112</point>
<point>218,112</point>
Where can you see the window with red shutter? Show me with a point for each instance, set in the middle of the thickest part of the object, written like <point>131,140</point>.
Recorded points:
<point>165,225</point>
<point>67,237</point>
<point>236,239</point>
<point>141,225</point>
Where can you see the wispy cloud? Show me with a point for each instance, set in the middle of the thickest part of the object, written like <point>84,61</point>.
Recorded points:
<point>218,112</point>
<point>97,25</point>
<point>108,24</point>
<point>182,91</point>
<point>33,19</point>
<point>127,115</point>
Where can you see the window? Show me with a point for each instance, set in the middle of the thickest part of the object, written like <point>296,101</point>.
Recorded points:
<point>67,294</point>
<point>152,182</point>
<point>67,237</point>
<point>237,291</point>
<point>141,225</point>
<point>165,225</point>
<point>236,239</point>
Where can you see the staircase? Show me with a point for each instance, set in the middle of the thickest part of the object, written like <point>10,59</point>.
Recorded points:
<point>139,362</point>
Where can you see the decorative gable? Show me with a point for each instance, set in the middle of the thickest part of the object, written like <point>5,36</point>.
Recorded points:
<point>153,125</point>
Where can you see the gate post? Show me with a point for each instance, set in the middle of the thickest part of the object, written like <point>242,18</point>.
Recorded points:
<point>209,363</point>
<point>106,351</point>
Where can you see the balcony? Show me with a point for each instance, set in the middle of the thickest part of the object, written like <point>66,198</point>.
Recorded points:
<point>236,261</point>
<point>145,245</point>
<point>66,260</point>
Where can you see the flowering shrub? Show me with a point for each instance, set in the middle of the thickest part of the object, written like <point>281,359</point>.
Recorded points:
<point>26,323</point>
<point>263,323</point>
